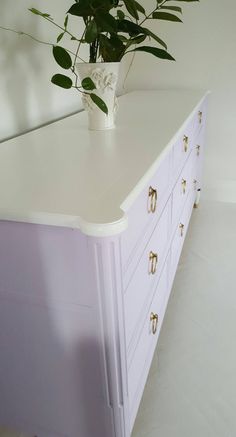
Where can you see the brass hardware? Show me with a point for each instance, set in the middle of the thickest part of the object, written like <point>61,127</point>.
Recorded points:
<point>181,227</point>
<point>198,149</point>
<point>197,198</point>
<point>199,117</point>
<point>185,140</point>
<point>184,183</point>
<point>154,320</point>
<point>153,260</point>
<point>152,195</point>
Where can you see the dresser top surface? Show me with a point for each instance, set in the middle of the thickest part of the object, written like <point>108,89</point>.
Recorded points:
<point>65,175</point>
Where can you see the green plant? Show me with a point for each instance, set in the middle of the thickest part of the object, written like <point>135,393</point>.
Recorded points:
<point>111,29</point>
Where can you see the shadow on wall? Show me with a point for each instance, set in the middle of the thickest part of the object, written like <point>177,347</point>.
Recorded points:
<point>21,66</point>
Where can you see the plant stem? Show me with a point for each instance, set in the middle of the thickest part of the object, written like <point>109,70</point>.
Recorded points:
<point>80,91</point>
<point>75,58</point>
<point>78,48</point>
<point>20,33</point>
<point>60,27</point>
<point>93,52</point>
<point>97,48</point>
<point>149,15</point>
<point>129,68</point>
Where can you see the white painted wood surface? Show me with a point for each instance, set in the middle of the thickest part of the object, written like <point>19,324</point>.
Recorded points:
<point>65,175</point>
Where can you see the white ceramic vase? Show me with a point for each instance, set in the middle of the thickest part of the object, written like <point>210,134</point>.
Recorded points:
<point>104,76</point>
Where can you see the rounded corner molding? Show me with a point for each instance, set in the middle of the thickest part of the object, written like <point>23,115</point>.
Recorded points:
<point>103,229</point>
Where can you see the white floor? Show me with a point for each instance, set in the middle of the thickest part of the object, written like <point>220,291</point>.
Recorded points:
<point>191,390</point>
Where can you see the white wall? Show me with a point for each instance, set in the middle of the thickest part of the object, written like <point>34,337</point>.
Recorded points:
<point>28,98</point>
<point>204,47</point>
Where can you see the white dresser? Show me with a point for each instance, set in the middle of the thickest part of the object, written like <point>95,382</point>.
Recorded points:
<point>92,226</point>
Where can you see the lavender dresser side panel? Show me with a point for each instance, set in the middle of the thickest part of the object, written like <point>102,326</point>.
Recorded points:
<point>51,378</point>
<point>44,262</point>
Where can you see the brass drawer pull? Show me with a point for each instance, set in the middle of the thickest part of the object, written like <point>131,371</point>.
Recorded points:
<point>185,140</point>
<point>154,320</point>
<point>181,227</point>
<point>153,260</point>
<point>199,117</point>
<point>184,184</point>
<point>152,196</point>
<point>198,149</point>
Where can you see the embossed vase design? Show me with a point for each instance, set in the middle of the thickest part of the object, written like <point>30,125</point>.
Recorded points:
<point>105,76</point>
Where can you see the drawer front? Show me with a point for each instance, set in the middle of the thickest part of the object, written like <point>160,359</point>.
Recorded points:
<point>146,210</point>
<point>142,357</point>
<point>185,184</point>
<point>180,233</point>
<point>142,284</point>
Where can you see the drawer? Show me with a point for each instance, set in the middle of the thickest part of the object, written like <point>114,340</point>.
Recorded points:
<point>180,233</point>
<point>185,185</point>
<point>141,360</point>
<point>145,211</point>
<point>142,284</point>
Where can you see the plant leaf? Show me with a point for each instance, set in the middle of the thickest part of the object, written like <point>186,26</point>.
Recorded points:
<point>42,14</point>
<point>126,26</point>
<point>166,16</point>
<point>60,36</point>
<point>123,38</point>
<point>66,22</point>
<point>184,0</point>
<point>159,53</point>
<point>62,81</point>
<point>111,49</point>
<point>155,37</point>
<point>62,57</point>
<point>81,9</point>
<point>131,8</point>
<point>99,102</point>
<point>172,8</point>
<point>91,32</point>
<point>136,40</point>
<point>140,8</point>
<point>88,84</point>
<point>120,14</point>
<point>106,21</point>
